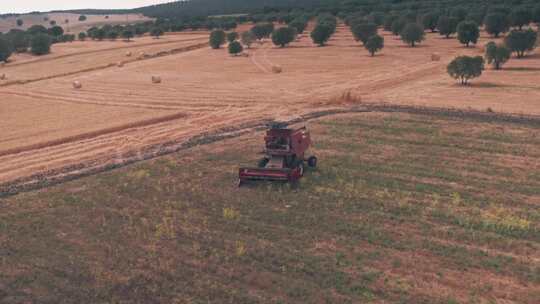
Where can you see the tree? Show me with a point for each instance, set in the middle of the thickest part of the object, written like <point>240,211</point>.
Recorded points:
<point>497,54</point>
<point>235,48</point>
<point>40,44</point>
<point>19,41</point>
<point>447,26</point>
<point>82,18</point>
<point>413,33</point>
<point>127,34</point>
<point>299,24</point>
<point>248,38</point>
<point>398,25</point>
<point>465,68</point>
<point>56,31</point>
<point>363,31</point>
<point>232,36</point>
<point>37,29</point>
<point>521,41</point>
<point>5,49</point>
<point>460,13</point>
<point>100,34</point>
<point>217,39</point>
<point>262,30</point>
<point>82,36</point>
<point>468,32</point>
<point>321,34</point>
<point>20,22</point>
<point>283,36</point>
<point>388,21</point>
<point>536,14</point>
<point>52,23</point>
<point>520,16</point>
<point>374,44</point>
<point>496,24</point>
<point>429,21</point>
<point>156,32</point>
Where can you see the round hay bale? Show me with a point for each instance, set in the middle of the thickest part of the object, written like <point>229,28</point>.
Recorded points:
<point>2,76</point>
<point>77,84</point>
<point>276,69</point>
<point>120,64</point>
<point>435,57</point>
<point>156,79</point>
<point>128,54</point>
<point>142,55</point>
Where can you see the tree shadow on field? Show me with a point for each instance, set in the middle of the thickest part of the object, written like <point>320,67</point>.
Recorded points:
<point>416,46</point>
<point>491,85</point>
<point>522,69</point>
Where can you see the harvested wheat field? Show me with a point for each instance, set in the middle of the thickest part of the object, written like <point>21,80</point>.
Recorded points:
<point>204,90</point>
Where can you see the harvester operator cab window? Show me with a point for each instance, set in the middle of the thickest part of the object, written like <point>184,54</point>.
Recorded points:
<point>279,143</point>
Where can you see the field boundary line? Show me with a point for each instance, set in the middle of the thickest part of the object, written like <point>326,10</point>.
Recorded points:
<point>72,172</point>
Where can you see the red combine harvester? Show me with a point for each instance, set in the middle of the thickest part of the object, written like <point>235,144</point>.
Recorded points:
<point>284,156</point>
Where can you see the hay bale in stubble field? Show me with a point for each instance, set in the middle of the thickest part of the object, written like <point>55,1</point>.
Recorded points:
<point>277,69</point>
<point>2,76</point>
<point>156,79</point>
<point>435,57</point>
<point>128,54</point>
<point>120,64</point>
<point>142,55</point>
<point>77,84</point>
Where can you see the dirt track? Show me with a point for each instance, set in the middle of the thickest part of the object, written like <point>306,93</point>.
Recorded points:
<point>210,90</point>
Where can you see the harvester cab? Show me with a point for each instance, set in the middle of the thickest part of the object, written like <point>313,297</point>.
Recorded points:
<point>285,151</point>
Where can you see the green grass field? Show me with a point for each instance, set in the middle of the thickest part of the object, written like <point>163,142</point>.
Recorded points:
<point>402,209</point>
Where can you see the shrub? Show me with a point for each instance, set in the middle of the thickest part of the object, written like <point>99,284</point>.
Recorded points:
<point>5,49</point>
<point>413,33</point>
<point>468,32</point>
<point>40,44</point>
<point>235,48</point>
<point>127,34</point>
<point>363,31</point>
<point>447,26</point>
<point>217,39</point>
<point>496,24</point>
<point>232,36</point>
<point>248,38</point>
<point>398,25</point>
<point>429,21</point>
<point>321,34</point>
<point>82,36</point>
<point>465,68</point>
<point>283,36</point>
<point>520,16</point>
<point>374,44</point>
<point>82,18</point>
<point>497,54</point>
<point>521,41</point>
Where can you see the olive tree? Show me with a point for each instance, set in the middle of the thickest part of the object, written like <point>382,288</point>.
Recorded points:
<point>5,49</point>
<point>412,34</point>
<point>40,44</point>
<point>217,39</point>
<point>247,38</point>
<point>468,32</point>
<point>374,44</point>
<point>235,48</point>
<point>232,36</point>
<point>497,54</point>
<point>398,25</point>
<point>520,17</point>
<point>429,21</point>
<point>321,34</point>
<point>363,31</point>
<point>496,23</point>
<point>283,36</point>
<point>521,42</point>
<point>127,34</point>
<point>465,68</point>
<point>447,26</point>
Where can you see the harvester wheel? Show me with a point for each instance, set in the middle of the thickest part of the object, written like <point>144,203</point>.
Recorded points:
<point>301,167</point>
<point>263,162</point>
<point>312,162</point>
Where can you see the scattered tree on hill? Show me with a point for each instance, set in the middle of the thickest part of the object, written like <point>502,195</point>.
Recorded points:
<point>363,31</point>
<point>497,54</point>
<point>20,22</point>
<point>82,18</point>
<point>56,31</point>
<point>521,42</point>
<point>45,18</point>
<point>82,36</point>
<point>496,24</point>
<point>429,21</point>
<point>465,68</point>
<point>398,25</point>
<point>374,44</point>
<point>5,49</point>
<point>321,34</point>
<point>157,32</point>
<point>468,32</point>
<point>520,17</point>
<point>235,48</point>
<point>40,44</point>
<point>248,38</point>
<point>447,26</point>
<point>413,33</point>
<point>283,36</point>
<point>232,36</point>
<point>52,23</point>
<point>127,34</point>
<point>217,39</point>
